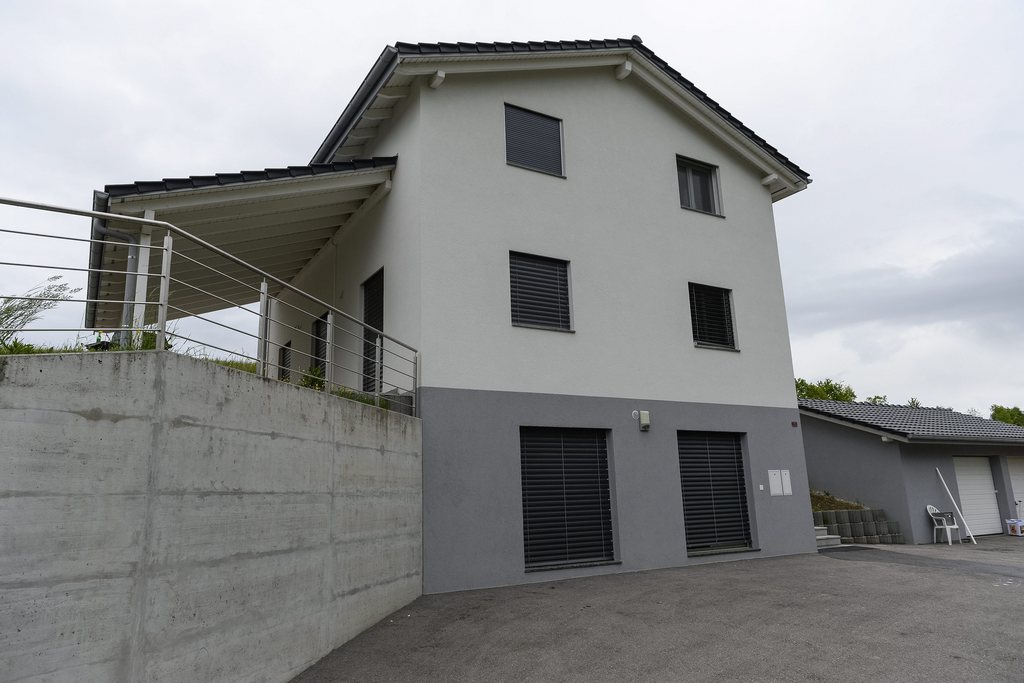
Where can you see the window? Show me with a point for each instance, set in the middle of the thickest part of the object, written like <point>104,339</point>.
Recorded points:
<point>567,518</point>
<point>697,186</point>
<point>711,315</point>
<point>540,291</point>
<point>533,140</point>
<point>284,362</point>
<point>373,315</point>
<point>714,485</point>
<point>318,345</point>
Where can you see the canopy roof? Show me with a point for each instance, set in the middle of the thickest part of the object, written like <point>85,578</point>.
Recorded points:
<point>275,219</point>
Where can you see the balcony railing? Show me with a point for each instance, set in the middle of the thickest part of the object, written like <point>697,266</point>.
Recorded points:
<point>327,348</point>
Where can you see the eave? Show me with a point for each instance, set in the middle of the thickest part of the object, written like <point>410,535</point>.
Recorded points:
<point>397,70</point>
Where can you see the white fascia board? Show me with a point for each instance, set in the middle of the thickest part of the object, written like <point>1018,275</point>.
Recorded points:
<point>853,425</point>
<point>483,63</point>
<point>664,85</point>
<point>253,191</point>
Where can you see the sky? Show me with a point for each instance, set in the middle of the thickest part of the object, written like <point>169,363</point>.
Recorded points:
<point>901,263</point>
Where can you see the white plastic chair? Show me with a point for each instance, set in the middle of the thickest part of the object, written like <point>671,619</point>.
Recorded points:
<point>943,521</point>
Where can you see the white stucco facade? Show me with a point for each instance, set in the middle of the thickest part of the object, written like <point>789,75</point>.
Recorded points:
<point>456,210</point>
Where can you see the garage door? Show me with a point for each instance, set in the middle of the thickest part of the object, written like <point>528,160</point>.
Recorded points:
<point>1017,479</point>
<point>978,495</point>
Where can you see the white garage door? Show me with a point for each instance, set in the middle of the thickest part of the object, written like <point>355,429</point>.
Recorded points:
<point>1017,479</point>
<point>978,495</point>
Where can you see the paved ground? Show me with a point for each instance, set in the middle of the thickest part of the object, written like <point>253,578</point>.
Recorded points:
<point>856,613</point>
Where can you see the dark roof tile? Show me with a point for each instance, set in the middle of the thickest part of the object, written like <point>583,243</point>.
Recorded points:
<point>198,181</point>
<point>930,424</point>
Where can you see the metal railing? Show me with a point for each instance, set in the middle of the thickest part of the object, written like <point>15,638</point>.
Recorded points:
<point>345,356</point>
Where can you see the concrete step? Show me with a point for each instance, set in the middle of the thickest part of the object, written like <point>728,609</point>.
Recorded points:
<point>828,541</point>
<point>820,531</point>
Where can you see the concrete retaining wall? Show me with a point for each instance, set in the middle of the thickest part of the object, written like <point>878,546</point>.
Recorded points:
<point>164,518</point>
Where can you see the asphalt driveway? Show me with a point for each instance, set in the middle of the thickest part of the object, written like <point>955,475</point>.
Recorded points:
<point>855,613</point>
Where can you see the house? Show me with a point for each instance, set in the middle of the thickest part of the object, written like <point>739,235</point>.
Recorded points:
<point>886,456</point>
<point>580,244</point>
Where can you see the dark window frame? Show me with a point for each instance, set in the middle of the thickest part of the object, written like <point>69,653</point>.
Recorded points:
<point>712,317</point>
<point>373,295</point>
<point>568,518</point>
<point>318,343</point>
<point>540,292</point>
<point>529,140</point>
<point>284,362</point>
<point>694,196</point>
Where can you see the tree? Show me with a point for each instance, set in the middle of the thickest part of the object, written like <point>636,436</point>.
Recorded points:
<point>1012,415</point>
<point>913,402</point>
<point>826,389</point>
<point>17,313</point>
<point>879,400</point>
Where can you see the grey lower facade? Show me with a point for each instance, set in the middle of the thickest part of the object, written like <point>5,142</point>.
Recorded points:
<point>899,477</point>
<point>473,532</point>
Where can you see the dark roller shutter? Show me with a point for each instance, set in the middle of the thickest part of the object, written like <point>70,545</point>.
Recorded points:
<point>373,315</point>
<point>318,344</point>
<point>711,315</point>
<point>540,291</point>
<point>533,140</point>
<point>714,491</point>
<point>566,499</point>
<point>284,363</point>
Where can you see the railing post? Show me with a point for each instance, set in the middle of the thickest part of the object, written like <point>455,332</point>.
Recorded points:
<point>416,384</point>
<point>261,344</point>
<point>378,374</point>
<point>329,352</point>
<point>165,289</point>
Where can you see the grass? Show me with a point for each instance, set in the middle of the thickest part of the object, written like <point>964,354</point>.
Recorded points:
<point>16,347</point>
<point>823,500</point>
<point>243,365</point>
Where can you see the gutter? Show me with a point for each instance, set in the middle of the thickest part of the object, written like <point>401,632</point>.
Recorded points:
<point>101,202</point>
<point>360,102</point>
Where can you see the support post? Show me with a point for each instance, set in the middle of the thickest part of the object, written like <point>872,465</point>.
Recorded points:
<point>955,507</point>
<point>261,343</point>
<point>165,289</point>
<point>329,352</point>
<point>378,374</point>
<point>416,384</point>
<point>142,278</point>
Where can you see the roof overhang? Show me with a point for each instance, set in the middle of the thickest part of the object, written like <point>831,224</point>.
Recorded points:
<point>276,224</point>
<point>918,439</point>
<point>396,70</point>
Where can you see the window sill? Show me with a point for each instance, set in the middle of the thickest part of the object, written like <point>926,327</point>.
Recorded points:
<point>535,170</point>
<point>573,565</point>
<point>544,327</point>
<point>715,347</point>
<point>701,211</point>
<point>721,551</point>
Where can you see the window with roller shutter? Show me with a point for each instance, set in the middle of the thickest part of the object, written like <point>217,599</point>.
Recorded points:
<point>711,316</point>
<point>540,291</point>
<point>714,486</point>
<point>567,518</point>
<point>533,140</point>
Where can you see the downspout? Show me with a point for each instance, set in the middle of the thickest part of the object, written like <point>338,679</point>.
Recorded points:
<point>101,202</point>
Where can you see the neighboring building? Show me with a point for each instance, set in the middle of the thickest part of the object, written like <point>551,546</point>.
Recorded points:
<point>575,238</point>
<point>886,457</point>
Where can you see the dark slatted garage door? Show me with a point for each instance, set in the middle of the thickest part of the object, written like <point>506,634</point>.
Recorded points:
<point>566,501</point>
<point>714,491</point>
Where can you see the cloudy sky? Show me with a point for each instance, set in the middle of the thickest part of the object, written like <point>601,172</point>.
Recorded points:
<point>902,262</point>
